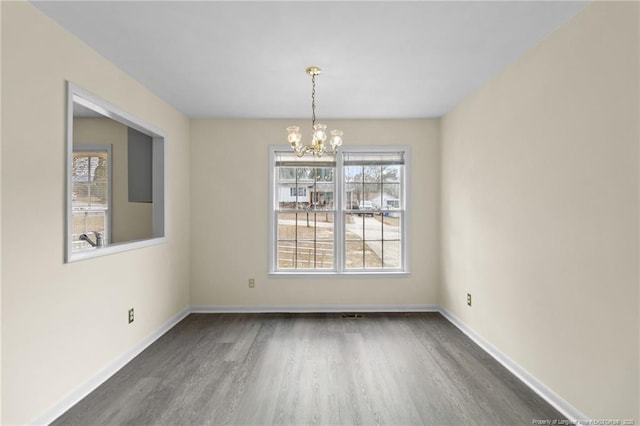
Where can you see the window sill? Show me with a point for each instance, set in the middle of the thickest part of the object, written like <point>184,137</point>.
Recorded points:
<point>336,275</point>
<point>112,249</point>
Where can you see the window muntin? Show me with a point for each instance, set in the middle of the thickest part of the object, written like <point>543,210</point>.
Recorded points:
<point>340,215</point>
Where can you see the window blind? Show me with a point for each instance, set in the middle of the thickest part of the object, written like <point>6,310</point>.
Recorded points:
<point>373,158</point>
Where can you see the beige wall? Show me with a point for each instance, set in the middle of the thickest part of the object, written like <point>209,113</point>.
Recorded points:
<point>130,221</point>
<point>540,211</point>
<point>63,323</point>
<point>229,216</point>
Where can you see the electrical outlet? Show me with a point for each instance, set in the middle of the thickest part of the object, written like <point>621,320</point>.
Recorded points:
<point>468,299</point>
<point>252,282</point>
<point>130,315</point>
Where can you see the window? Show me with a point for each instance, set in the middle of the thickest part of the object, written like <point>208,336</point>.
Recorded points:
<point>339,215</point>
<point>90,193</point>
<point>372,215</point>
<point>304,213</point>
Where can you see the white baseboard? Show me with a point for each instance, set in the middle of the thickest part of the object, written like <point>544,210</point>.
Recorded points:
<point>567,410</point>
<point>86,388</point>
<point>570,412</point>
<point>201,309</point>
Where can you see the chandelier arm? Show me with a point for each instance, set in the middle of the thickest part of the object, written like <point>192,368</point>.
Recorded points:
<point>302,151</point>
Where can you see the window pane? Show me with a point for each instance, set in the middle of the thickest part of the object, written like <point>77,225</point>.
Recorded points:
<point>392,244</point>
<point>286,226</point>
<point>392,226</point>
<point>353,174</point>
<point>373,255</point>
<point>89,180</point>
<point>305,188</point>
<point>391,174</point>
<point>314,255</point>
<point>305,240</point>
<point>291,194</point>
<point>354,225</point>
<point>354,256</point>
<point>305,174</point>
<point>324,174</point>
<point>352,195</point>
<point>321,196</point>
<point>391,254</point>
<point>315,226</point>
<point>286,174</point>
<point>372,173</point>
<point>363,235</point>
<point>286,254</point>
<point>390,196</point>
<point>372,191</point>
<point>360,255</point>
<point>80,168</point>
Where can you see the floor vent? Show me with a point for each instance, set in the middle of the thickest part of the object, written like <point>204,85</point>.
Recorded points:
<point>352,315</point>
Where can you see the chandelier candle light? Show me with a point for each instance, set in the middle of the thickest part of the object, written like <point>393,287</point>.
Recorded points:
<point>317,146</point>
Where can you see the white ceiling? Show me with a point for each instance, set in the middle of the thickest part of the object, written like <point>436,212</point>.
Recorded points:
<point>247,59</point>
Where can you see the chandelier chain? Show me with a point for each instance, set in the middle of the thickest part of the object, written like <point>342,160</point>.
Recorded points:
<point>313,99</point>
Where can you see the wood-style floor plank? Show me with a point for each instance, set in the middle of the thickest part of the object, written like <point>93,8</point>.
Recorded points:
<point>312,369</point>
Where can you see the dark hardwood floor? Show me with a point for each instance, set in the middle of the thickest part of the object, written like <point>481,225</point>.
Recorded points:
<point>312,369</point>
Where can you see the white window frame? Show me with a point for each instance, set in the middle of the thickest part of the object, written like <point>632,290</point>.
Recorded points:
<point>339,229</point>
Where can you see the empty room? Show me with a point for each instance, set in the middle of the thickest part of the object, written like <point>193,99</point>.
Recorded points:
<point>328,213</point>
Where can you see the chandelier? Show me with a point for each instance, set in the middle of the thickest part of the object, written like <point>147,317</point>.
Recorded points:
<point>319,133</point>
